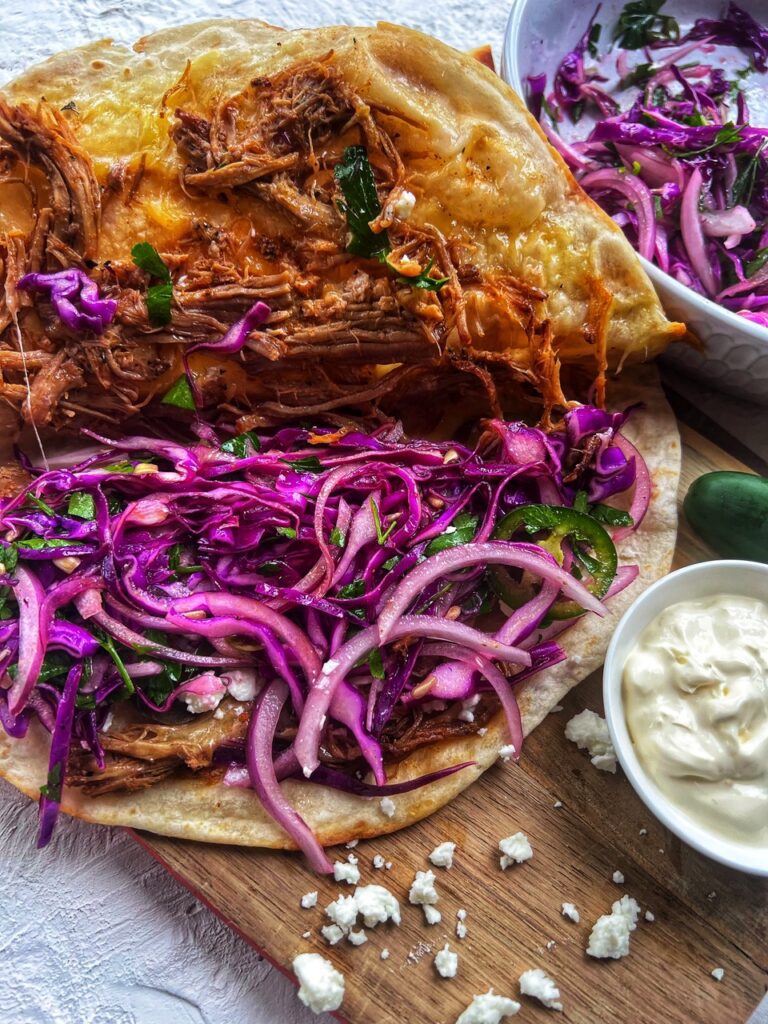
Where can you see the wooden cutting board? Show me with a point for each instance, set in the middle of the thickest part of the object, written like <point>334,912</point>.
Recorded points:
<point>706,916</point>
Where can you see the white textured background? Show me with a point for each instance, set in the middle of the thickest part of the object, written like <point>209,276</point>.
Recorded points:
<point>92,930</point>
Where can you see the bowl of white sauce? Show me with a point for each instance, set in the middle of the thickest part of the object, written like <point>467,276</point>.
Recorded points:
<point>685,685</point>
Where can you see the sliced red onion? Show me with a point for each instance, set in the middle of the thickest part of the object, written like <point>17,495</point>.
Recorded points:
<point>641,498</point>
<point>33,631</point>
<point>58,757</point>
<point>633,189</point>
<point>721,223</point>
<point>261,736</point>
<point>693,235</point>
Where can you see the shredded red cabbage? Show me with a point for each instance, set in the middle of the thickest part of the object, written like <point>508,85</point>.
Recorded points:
<point>75,297</point>
<point>672,155</point>
<point>342,571</point>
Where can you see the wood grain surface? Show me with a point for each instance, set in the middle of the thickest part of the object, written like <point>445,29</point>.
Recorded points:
<point>706,915</point>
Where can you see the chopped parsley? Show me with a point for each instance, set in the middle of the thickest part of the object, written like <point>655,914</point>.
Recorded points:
<point>461,531</point>
<point>159,295</point>
<point>641,23</point>
<point>381,534</point>
<point>180,394</point>
<point>239,445</point>
<point>81,505</point>
<point>307,464</point>
<point>354,589</point>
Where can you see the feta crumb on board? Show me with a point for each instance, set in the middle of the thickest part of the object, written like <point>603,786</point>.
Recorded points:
<point>431,914</point>
<point>589,730</point>
<point>309,900</point>
<point>384,954</point>
<point>551,944</point>
<point>569,910</point>
<point>321,986</point>
<point>376,905</point>
<point>343,912</point>
<point>557,804</point>
<point>446,962</point>
<point>332,933</point>
<point>387,806</point>
<point>442,855</point>
<point>537,983</point>
<point>352,844</point>
<point>349,873</point>
<point>718,973</point>
<point>643,832</point>
<point>378,862</point>
<point>357,938</point>
<point>507,752</point>
<point>488,1009</point>
<point>423,890</point>
<point>307,935</point>
<point>514,850</point>
<point>609,937</point>
<point>461,928</point>
<point>618,877</point>
<point>650,917</point>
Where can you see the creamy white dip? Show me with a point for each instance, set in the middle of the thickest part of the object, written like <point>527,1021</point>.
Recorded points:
<point>696,705</point>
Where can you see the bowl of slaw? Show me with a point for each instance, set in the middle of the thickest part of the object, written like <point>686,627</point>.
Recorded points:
<point>639,125</point>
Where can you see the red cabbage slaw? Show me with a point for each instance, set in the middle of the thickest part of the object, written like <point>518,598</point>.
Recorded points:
<point>344,569</point>
<point>673,158</point>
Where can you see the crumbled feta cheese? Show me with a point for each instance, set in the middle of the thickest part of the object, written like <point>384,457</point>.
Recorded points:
<point>461,914</point>
<point>482,732</point>
<point>349,873</point>
<point>551,944</point>
<point>488,1009</point>
<point>423,889</point>
<point>321,986</point>
<point>643,832</point>
<point>618,878</point>
<point>711,895</point>
<point>387,806</point>
<point>351,844</point>
<point>431,914</point>
<point>332,934</point>
<point>650,916</point>
<point>357,938</point>
<point>661,849</point>
<point>570,911</point>
<point>351,858</point>
<point>378,862</point>
<point>402,207</point>
<point>384,954</point>
<point>309,900</point>
<point>199,702</point>
<point>376,905</point>
<point>538,984</point>
<point>388,865</point>
<point>343,912</point>
<point>610,933</point>
<point>461,928</point>
<point>557,804</point>
<point>447,962</point>
<point>442,855</point>
<point>514,849</point>
<point>218,713</point>
<point>307,935</point>
<point>507,752</point>
<point>241,683</point>
<point>589,730</point>
<point>718,973</point>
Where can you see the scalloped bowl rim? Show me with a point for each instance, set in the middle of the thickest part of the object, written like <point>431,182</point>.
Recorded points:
<point>708,308</point>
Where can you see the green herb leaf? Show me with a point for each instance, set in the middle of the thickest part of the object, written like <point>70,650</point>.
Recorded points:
<point>381,534</point>
<point>639,75</point>
<point>354,589</point>
<point>744,185</point>
<point>641,24</point>
<point>757,263</point>
<point>594,38</point>
<point>108,644</point>
<point>580,502</point>
<point>423,280</point>
<point>611,516</point>
<point>120,467</point>
<point>391,563</point>
<point>147,258</point>
<point>361,205</point>
<point>41,504</point>
<point>180,394</point>
<point>158,299</point>
<point>52,788</point>
<point>9,557</point>
<point>241,445</point>
<point>728,135</point>
<point>286,531</point>
<point>337,537</point>
<point>461,531</point>
<point>307,464</point>
<point>375,664</point>
<point>82,505</point>
<point>45,543</point>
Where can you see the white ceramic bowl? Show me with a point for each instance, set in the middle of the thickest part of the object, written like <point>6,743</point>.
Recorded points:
<point>705,579</point>
<point>735,357</point>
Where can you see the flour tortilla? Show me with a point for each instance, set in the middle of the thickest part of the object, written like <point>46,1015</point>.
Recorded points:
<point>196,809</point>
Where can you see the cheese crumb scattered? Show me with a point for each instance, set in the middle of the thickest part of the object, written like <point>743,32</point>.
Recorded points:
<point>718,973</point>
<point>384,954</point>
<point>321,986</point>
<point>349,873</point>
<point>431,914</point>
<point>241,683</point>
<point>514,849</point>
<point>447,962</point>
<point>507,752</point>
<point>376,905</point>
<point>378,862</point>
<point>309,900</point>
<point>482,732</point>
<point>351,844</point>
<point>711,895</point>
<point>402,208</point>
<point>197,703</point>
<point>650,917</point>
<point>618,878</point>
<point>423,890</point>
<point>332,934</point>
<point>357,938</point>
<point>442,855</point>
<point>610,933</point>
<point>537,983</point>
<point>643,832</point>
<point>551,944</point>
<point>307,935</point>
<point>343,912</point>
<point>570,911</point>
<point>589,730</point>
<point>556,708</point>
<point>461,928</point>
<point>387,807</point>
<point>557,804</point>
<point>488,1009</point>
